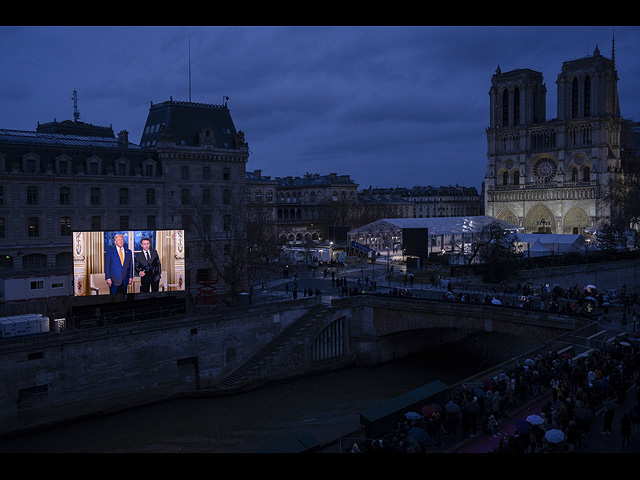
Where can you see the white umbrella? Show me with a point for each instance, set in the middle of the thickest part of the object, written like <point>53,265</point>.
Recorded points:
<point>412,416</point>
<point>554,435</point>
<point>590,287</point>
<point>535,420</point>
<point>625,344</point>
<point>495,301</point>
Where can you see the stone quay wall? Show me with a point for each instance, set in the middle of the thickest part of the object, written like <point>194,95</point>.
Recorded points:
<point>57,377</point>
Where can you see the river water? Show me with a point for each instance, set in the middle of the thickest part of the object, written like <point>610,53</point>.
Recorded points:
<point>326,406</point>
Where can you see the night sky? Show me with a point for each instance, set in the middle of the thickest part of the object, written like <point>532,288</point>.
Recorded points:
<point>390,106</point>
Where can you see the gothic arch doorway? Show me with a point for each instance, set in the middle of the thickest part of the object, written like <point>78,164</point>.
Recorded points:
<point>540,220</point>
<point>575,221</point>
<point>508,216</point>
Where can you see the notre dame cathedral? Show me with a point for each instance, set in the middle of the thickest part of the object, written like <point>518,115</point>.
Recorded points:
<point>553,176</point>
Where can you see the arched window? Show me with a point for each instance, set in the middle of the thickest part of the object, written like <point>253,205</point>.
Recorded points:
<point>574,174</point>
<point>505,107</point>
<point>587,97</point>
<point>586,174</point>
<point>574,98</point>
<point>516,106</point>
<point>505,179</point>
<point>516,177</point>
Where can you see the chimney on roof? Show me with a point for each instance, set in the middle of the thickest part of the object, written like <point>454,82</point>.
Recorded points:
<point>123,138</point>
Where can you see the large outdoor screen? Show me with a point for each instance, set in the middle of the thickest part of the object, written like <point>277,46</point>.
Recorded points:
<point>129,261</point>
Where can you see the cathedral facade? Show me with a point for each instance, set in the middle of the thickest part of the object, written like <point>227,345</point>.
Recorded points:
<point>552,176</point>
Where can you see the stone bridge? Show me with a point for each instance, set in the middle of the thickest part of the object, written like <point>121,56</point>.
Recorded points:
<point>370,329</point>
<point>60,376</point>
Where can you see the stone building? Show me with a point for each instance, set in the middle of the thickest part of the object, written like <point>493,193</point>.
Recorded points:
<point>314,207</point>
<point>72,176</point>
<point>553,175</point>
<point>428,201</point>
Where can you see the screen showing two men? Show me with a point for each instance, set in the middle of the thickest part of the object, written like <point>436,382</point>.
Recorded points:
<point>131,261</point>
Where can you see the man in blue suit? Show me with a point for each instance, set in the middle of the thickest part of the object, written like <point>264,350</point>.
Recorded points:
<point>118,269</point>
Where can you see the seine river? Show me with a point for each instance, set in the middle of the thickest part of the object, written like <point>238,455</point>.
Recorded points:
<point>326,406</point>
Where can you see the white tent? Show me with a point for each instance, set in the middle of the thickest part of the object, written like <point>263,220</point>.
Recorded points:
<point>557,244</point>
<point>537,250</point>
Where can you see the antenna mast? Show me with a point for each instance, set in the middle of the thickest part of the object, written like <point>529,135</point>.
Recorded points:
<point>76,113</point>
<point>189,68</point>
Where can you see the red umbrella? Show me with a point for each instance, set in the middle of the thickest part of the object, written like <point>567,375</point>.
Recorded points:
<point>566,355</point>
<point>429,410</point>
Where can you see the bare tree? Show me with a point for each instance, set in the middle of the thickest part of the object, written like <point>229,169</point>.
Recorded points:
<point>217,228</point>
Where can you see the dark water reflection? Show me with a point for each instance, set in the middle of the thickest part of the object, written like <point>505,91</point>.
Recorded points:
<point>326,406</point>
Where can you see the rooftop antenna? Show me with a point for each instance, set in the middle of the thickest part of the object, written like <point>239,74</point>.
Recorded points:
<point>189,68</point>
<point>76,113</point>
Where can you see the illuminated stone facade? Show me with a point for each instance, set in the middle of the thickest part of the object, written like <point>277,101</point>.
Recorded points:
<point>552,176</point>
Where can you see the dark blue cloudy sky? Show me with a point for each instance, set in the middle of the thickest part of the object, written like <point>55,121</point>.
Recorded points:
<point>390,106</point>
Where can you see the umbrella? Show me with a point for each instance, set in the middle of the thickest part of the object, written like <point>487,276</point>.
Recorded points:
<point>535,420</point>
<point>606,304</point>
<point>412,416</point>
<point>452,407</point>
<point>566,355</point>
<point>625,344</point>
<point>591,299</point>
<point>554,435</point>
<point>583,415</point>
<point>472,407</point>
<point>478,392</point>
<point>495,301</point>
<point>590,287</point>
<point>419,434</point>
<point>522,426</point>
<point>429,410</point>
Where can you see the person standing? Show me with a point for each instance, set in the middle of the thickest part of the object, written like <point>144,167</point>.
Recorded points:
<point>149,267</point>
<point>118,269</point>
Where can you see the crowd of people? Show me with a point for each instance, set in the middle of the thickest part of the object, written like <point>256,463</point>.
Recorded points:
<point>580,389</point>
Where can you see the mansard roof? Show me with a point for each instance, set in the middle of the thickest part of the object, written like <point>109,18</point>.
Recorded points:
<point>185,122</point>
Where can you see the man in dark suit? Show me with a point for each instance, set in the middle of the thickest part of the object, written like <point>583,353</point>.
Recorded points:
<point>118,269</point>
<point>148,265</point>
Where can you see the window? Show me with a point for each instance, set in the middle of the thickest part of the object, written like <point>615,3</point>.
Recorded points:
<point>586,174</point>
<point>122,169</point>
<point>124,222</point>
<point>65,226</point>
<point>95,196</point>
<point>226,197</point>
<point>205,173</point>
<point>185,196</point>
<point>151,222</point>
<point>32,195</point>
<point>1,227</point>
<point>95,223</point>
<point>33,227</point>
<point>31,165</point>
<point>1,195</point>
<point>37,285</point>
<point>124,196</point>
<point>184,173</point>
<point>226,174</point>
<point>226,222</point>
<point>151,196</point>
<point>65,195</point>
<point>148,170</point>
<point>63,166</point>
<point>93,168</point>
<point>206,196</point>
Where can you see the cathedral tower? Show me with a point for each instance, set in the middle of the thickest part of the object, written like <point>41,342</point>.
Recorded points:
<point>552,176</point>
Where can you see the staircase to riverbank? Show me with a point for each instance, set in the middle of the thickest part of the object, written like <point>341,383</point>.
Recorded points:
<point>250,371</point>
